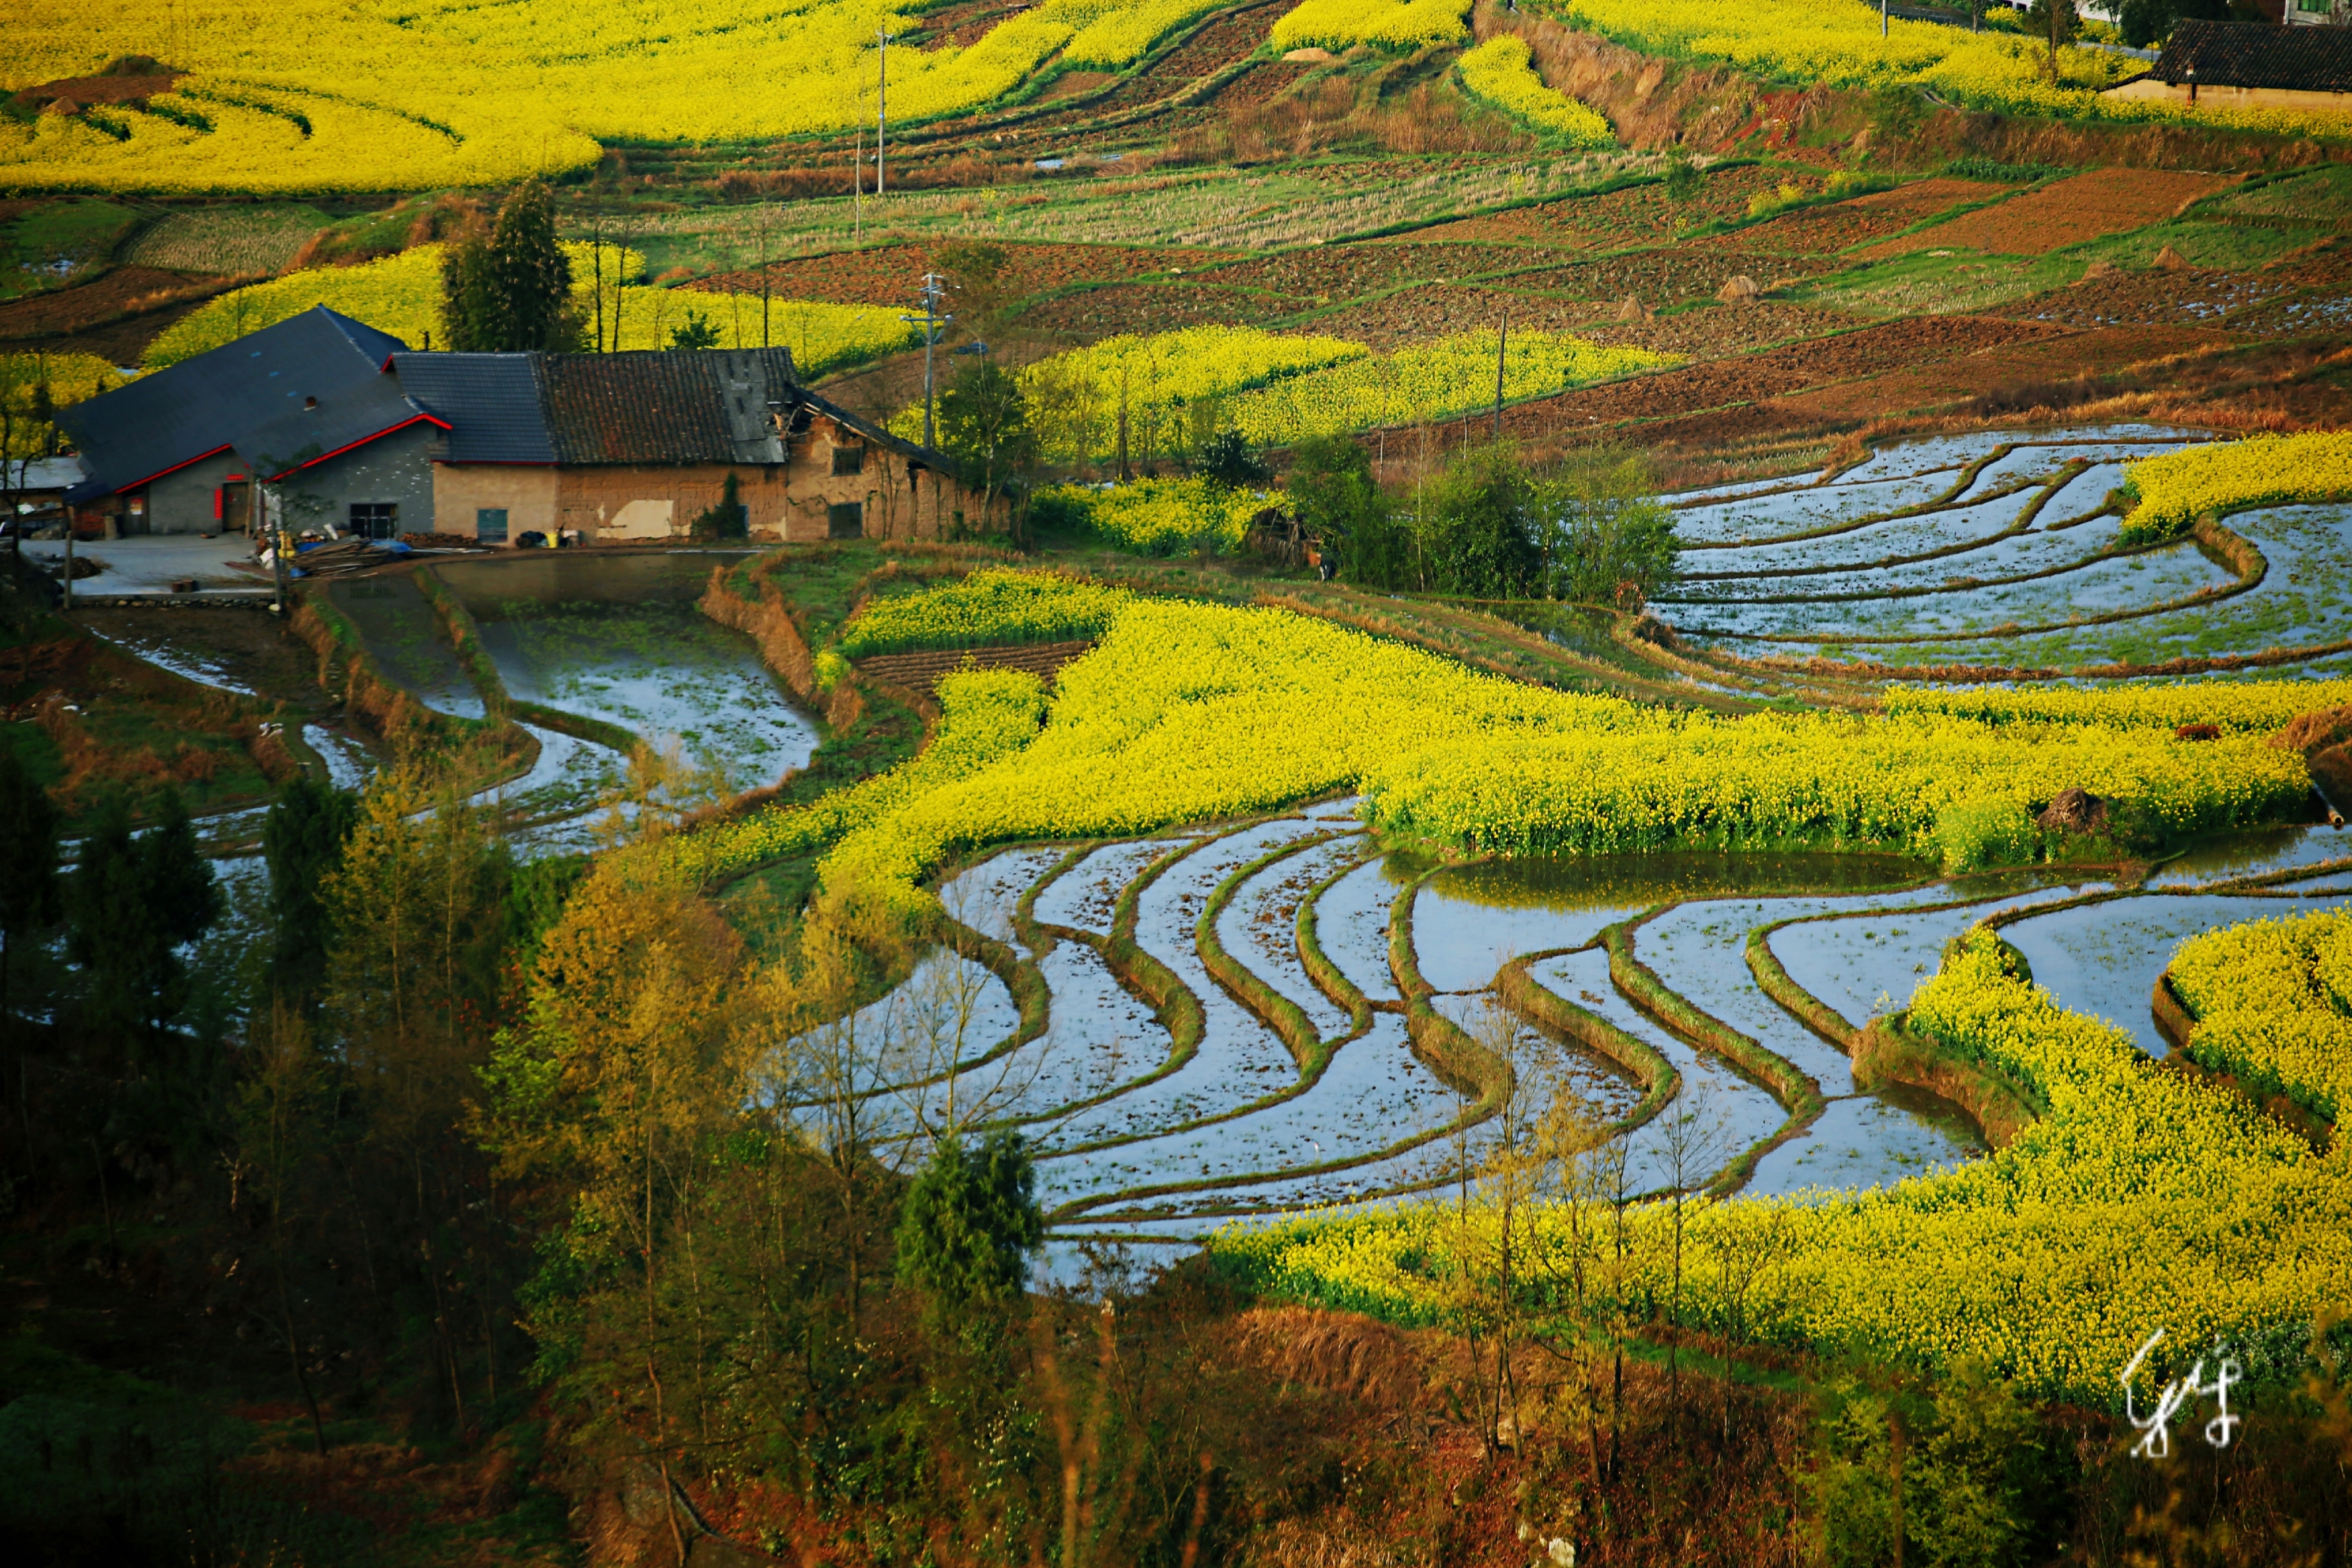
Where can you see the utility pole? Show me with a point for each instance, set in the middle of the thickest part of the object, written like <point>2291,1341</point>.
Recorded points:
<point>881,100</point>
<point>933,325</point>
<point>857,181</point>
<point>1502,345</point>
<point>1882,18</point>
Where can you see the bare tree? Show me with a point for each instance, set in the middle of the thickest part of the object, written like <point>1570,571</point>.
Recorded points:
<point>1691,1143</point>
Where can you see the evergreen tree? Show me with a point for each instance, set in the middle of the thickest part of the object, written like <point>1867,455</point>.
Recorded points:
<point>1331,489</point>
<point>130,906</point>
<point>699,332</point>
<point>984,427</point>
<point>970,1223</point>
<point>302,840</point>
<point>29,862</point>
<point>510,289</point>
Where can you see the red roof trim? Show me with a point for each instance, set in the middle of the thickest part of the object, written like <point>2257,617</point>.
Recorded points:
<point>387,430</point>
<point>174,468</point>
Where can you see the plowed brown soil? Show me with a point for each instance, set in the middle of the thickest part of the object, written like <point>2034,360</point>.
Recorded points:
<point>2104,201</point>
<point>1774,372</point>
<point>2000,366</point>
<point>122,291</point>
<point>1668,277</point>
<point>1156,308</point>
<point>1346,271</point>
<point>2196,297</point>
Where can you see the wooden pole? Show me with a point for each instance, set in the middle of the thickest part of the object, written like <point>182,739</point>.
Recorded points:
<point>1502,344</point>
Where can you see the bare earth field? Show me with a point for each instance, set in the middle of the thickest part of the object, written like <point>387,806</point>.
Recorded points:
<point>2106,201</point>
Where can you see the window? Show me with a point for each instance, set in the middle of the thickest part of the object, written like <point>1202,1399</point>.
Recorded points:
<point>849,459</point>
<point>845,520</point>
<point>490,524</point>
<point>375,518</point>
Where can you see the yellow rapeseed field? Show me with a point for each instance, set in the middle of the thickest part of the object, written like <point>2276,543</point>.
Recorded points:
<point>1498,71</point>
<point>1395,24</point>
<point>2142,1200</point>
<point>1838,42</point>
<point>2178,488</point>
<point>2273,1001</point>
<point>329,95</point>
<point>1193,712</point>
<point>402,295</point>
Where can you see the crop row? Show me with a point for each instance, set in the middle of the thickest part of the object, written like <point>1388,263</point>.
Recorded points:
<point>1158,392</point>
<point>1156,517</point>
<point>994,606</point>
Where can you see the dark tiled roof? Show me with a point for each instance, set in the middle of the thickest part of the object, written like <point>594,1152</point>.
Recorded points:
<point>2255,53</point>
<point>667,406</point>
<point>248,396</point>
<point>491,402</point>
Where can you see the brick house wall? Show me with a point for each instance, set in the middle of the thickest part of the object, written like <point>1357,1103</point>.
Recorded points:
<point>836,485</point>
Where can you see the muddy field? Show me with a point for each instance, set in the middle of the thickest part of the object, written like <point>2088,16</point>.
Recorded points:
<point>2106,201</point>
<point>1773,372</point>
<point>114,316</point>
<point>2000,366</point>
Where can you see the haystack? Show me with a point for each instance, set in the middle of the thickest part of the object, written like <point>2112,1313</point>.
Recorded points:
<point>1739,290</point>
<point>2171,260</point>
<point>2098,269</point>
<point>1631,309</point>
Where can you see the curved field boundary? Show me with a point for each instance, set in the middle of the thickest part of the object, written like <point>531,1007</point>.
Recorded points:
<point>1286,1017</point>
<point>1789,1084</point>
<point>1975,674</point>
<point>1460,1062</point>
<point>1328,976</point>
<point>2022,523</point>
<point>1531,999</point>
<point>1951,494</point>
<point>1886,1050</point>
<point>1143,977</point>
<point>1828,478</point>
<point>2238,551</point>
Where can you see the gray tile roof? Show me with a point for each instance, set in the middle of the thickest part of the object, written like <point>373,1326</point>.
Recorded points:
<point>2256,54</point>
<point>310,386</point>
<point>491,402</point>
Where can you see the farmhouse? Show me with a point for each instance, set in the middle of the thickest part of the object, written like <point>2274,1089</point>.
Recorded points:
<point>307,402</point>
<point>639,446</point>
<point>2249,65</point>
<point>351,430</point>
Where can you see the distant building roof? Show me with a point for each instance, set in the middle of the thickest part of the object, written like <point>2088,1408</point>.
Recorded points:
<point>491,402</point>
<point>305,388</point>
<point>2257,55</point>
<point>645,406</point>
<point>45,473</point>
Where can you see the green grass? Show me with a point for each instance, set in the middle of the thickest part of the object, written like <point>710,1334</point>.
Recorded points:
<point>2233,246</point>
<point>1929,283</point>
<point>84,232</point>
<point>2321,197</point>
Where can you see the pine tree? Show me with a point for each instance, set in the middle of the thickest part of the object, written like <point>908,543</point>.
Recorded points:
<point>509,290</point>
<point>303,842</point>
<point>970,1223</point>
<point>29,862</point>
<point>130,906</point>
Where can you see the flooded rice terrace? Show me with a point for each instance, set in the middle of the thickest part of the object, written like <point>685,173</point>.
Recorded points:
<point>1145,1141</point>
<point>1291,1078</point>
<point>613,639</point>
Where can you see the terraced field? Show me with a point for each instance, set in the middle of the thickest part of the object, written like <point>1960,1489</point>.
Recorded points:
<point>1237,1024</point>
<point>2003,551</point>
